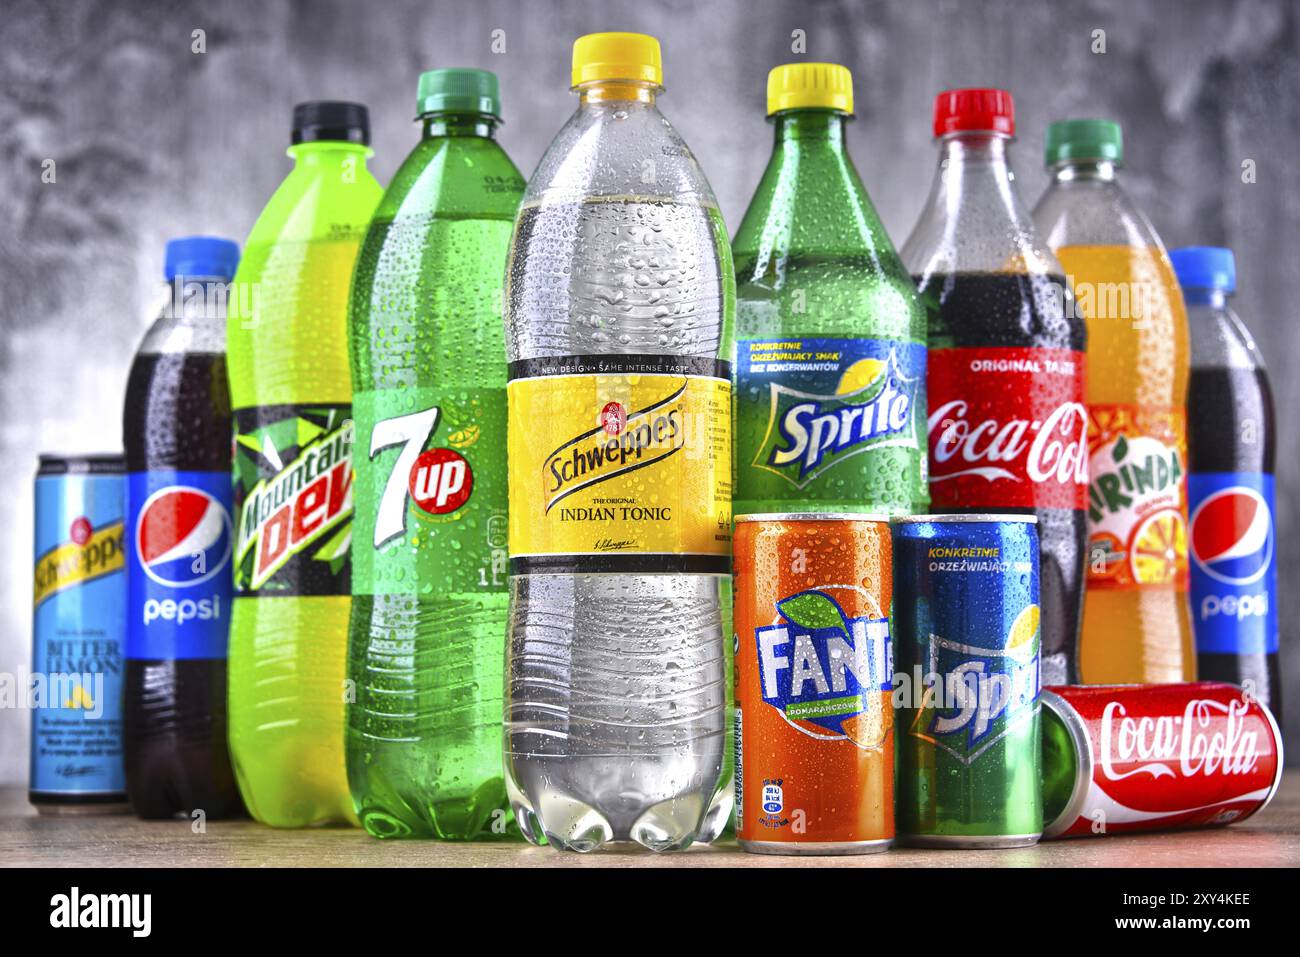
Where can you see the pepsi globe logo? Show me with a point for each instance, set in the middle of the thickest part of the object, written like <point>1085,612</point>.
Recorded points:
<point>441,481</point>
<point>1232,536</point>
<point>182,536</point>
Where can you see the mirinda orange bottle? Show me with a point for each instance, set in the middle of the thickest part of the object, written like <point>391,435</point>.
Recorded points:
<point>1136,626</point>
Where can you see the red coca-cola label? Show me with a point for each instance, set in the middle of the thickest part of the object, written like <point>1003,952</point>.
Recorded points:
<point>1165,756</point>
<point>1008,428</point>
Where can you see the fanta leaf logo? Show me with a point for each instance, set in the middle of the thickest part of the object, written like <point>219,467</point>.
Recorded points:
<point>824,671</point>
<point>812,609</point>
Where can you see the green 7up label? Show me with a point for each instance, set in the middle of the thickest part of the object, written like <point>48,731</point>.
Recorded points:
<point>430,492</point>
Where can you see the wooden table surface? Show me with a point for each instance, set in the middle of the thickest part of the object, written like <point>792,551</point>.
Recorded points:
<point>1269,839</point>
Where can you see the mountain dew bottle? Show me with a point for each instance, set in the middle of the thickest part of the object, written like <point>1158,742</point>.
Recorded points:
<point>427,636</point>
<point>830,336</point>
<point>291,394</point>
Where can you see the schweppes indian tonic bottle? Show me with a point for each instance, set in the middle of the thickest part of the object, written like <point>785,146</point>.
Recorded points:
<point>830,335</point>
<point>426,643</point>
<point>619,303</point>
<point>290,394</point>
<point>1136,622</point>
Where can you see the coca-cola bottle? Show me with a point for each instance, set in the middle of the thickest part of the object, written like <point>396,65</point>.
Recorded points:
<point>1007,422</point>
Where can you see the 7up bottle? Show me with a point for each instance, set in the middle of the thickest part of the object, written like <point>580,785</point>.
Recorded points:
<point>291,395</point>
<point>429,563</point>
<point>830,336</point>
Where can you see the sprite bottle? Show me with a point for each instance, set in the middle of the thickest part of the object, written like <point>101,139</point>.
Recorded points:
<point>830,336</point>
<point>290,394</point>
<point>429,573</point>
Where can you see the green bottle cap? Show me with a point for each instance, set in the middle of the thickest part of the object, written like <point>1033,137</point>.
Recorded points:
<point>1071,140</point>
<point>458,91</point>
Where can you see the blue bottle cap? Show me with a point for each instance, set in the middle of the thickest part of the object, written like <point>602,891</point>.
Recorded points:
<point>1205,267</point>
<point>201,256</point>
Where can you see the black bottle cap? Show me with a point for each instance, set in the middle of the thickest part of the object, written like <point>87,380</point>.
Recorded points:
<point>331,120</point>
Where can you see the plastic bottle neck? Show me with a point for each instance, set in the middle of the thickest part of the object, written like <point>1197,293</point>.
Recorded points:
<point>481,125</point>
<point>195,299</point>
<point>620,91</point>
<point>1083,171</point>
<point>1201,296</point>
<point>974,164</point>
<point>328,154</point>
<point>809,130</point>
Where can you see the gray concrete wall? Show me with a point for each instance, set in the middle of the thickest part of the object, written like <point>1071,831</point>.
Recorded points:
<point>152,140</point>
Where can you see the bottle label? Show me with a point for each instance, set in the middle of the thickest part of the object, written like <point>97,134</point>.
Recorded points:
<point>178,552</point>
<point>1137,499</point>
<point>430,492</point>
<point>805,407</point>
<point>78,631</point>
<point>293,500</point>
<point>1234,566</point>
<point>1008,428</point>
<point>620,464</point>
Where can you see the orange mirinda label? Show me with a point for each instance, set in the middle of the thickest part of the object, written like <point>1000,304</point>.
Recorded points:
<point>814,722</point>
<point>1137,498</point>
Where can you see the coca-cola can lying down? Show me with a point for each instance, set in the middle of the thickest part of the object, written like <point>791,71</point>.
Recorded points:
<point>1124,758</point>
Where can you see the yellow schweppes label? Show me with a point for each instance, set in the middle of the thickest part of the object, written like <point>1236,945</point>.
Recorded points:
<point>620,463</point>
<point>70,563</point>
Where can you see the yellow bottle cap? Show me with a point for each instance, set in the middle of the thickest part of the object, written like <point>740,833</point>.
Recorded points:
<point>617,56</point>
<point>802,86</point>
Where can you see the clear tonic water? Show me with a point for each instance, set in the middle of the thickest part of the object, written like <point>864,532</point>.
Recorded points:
<point>617,681</point>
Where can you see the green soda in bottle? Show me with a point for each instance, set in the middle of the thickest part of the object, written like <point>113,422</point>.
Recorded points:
<point>429,573</point>
<point>830,336</point>
<point>291,397</point>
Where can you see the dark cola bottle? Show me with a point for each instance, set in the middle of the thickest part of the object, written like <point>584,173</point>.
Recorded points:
<point>176,431</point>
<point>1007,421</point>
<point>1231,440</point>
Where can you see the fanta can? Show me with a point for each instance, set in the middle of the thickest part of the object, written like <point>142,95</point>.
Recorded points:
<point>813,719</point>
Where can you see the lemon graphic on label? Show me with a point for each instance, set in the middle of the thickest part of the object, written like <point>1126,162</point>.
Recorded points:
<point>859,375</point>
<point>80,699</point>
<point>463,438</point>
<point>1024,630</point>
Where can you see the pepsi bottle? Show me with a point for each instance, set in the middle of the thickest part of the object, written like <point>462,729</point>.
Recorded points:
<point>1233,540</point>
<point>176,431</point>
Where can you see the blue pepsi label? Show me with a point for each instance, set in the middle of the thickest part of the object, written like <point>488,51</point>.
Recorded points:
<point>178,545</point>
<point>79,627</point>
<point>1233,545</point>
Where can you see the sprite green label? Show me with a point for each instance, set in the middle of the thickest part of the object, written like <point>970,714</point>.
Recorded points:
<point>838,421</point>
<point>431,472</point>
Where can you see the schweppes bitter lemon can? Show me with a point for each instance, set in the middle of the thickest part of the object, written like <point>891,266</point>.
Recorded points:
<point>814,722</point>
<point>78,630</point>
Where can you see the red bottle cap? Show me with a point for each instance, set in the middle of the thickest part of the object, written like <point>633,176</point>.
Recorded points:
<point>991,110</point>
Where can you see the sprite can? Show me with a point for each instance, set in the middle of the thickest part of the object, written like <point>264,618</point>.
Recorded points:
<point>967,680</point>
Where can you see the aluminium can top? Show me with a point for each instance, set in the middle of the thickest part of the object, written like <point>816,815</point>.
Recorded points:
<point>82,463</point>
<point>812,517</point>
<point>967,517</point>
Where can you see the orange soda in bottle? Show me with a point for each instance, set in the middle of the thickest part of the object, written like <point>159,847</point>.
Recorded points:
<point>1136,625</point>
